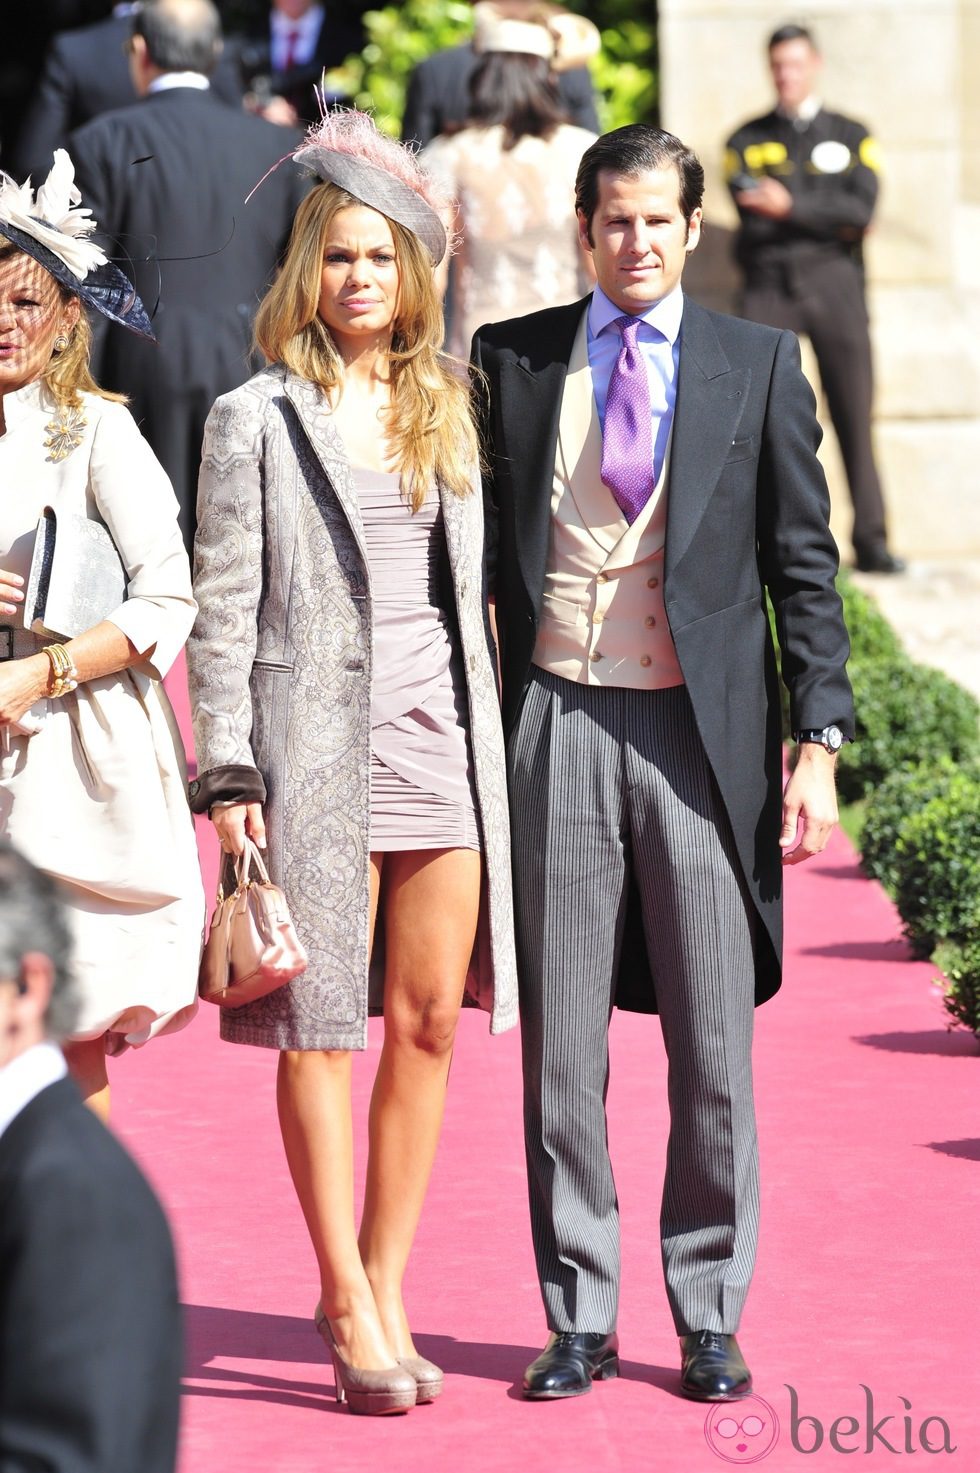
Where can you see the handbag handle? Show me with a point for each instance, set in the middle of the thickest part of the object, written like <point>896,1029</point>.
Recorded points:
<point>241,868</point>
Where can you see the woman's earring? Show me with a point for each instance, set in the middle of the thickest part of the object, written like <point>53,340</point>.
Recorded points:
<point>61,342</point>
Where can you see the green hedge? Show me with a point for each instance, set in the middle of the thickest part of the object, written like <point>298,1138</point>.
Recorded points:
<point>960,965</point>
<point>905,713</point>
<point>937,866</point>
<point>914,770</point>
<point>903,792</point>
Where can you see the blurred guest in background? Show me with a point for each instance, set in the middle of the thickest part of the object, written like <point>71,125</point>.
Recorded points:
<point>805,183</point>
<point>439,87</point>
<point>167,180</point>
<point>283,61</point>
<point>90,1341</point>
<point>512,171</point>
<point>92,769</point>
<point>86,72</point>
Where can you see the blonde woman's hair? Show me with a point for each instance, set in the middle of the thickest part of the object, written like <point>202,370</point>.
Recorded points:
<point>430,427</point>
<point>67,375</point>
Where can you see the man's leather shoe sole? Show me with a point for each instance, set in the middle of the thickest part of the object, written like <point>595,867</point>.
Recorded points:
<point>569,1365</point>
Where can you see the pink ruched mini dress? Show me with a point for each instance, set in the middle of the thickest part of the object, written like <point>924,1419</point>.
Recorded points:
<point>421,768</point>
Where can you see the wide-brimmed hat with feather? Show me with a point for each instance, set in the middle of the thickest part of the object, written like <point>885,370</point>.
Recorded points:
<point>347,149</point>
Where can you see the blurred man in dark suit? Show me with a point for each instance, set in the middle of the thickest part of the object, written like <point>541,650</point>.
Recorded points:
<point>86,73</point>
<point>284,60</point>
<point>167,179</point>
<point>90,1343</point>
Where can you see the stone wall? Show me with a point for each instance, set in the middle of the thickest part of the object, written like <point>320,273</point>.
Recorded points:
<point>908,69</point>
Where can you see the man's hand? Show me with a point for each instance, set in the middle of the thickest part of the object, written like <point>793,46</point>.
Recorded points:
<point>768,198</point>
<point>811,795</point>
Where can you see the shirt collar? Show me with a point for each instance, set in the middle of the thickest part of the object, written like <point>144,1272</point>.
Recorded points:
<point>664,316</point>
<point>307,24</point>
<point>179,79</point>
<point>805,113</point>
<point>26,1076</point>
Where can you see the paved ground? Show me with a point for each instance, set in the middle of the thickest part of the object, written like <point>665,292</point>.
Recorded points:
<point>935,608</point>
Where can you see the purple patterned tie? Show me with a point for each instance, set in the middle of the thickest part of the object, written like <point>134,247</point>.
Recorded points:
<point>627,435</point>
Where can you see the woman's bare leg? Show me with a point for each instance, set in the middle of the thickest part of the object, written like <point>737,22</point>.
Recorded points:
<point>431,906</point>
<point>87,1066</point>
<point>314,1099</point>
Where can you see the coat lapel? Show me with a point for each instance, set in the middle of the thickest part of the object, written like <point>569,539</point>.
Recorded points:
<point>531,389</point>
<point>580,451</point>
<point>314,415</point>
<point>711,396</point>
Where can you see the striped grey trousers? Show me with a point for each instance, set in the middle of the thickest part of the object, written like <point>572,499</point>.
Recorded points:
<point>608,784</point>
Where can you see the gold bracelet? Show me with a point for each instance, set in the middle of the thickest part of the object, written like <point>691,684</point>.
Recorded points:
<point>64,676</point>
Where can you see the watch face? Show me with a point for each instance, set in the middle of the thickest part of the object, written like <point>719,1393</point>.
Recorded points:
<point>834,738</point>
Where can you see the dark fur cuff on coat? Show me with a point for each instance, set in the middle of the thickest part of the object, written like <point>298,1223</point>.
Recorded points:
<point>236,783</point>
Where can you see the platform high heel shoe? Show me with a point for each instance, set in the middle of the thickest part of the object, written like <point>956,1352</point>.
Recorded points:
<point>367,1393</point>
<point>427,1377</point>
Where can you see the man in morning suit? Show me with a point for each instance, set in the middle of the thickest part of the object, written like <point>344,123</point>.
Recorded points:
<point>805,183</point>
<point>652,472</point>
<point>167,179</point>
<point>90,1343</point>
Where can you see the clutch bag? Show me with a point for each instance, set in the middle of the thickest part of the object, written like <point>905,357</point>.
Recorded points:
<point>252,946</point>
<point>76,577</point>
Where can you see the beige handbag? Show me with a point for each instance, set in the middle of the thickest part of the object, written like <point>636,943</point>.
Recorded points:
<point>252,946</point>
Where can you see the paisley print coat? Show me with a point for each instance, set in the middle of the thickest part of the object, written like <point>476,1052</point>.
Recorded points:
<point>280,679</point>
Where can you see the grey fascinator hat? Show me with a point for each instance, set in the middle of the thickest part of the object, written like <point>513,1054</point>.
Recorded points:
<point>55,231</point>
<point>345,148</point>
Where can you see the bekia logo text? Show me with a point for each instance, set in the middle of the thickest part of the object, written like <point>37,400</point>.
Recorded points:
<point>894,1433</point>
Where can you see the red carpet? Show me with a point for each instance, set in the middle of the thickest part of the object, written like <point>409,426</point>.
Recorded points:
<point>866,1276</point>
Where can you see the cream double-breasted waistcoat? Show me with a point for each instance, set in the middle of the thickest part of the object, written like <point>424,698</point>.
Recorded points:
<point>602,620</point>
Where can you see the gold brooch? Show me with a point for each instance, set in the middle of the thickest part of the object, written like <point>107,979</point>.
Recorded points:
<point>65,433</point>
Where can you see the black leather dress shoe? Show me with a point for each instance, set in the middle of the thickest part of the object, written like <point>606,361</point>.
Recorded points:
<point>569,1363</point>
<point>879,560</point>
<point>712,1368</point>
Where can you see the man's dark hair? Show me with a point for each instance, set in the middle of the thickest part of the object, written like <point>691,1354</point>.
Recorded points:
<point>517,91</point>
<point>180,38</point>
<point>634,150</point>
<point>792,33</point>
<point>32,918</point>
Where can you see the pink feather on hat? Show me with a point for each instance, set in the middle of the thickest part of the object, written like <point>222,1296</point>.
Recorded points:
<point>346,130</point>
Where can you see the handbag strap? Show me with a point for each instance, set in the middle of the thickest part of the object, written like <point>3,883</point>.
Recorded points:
<point>252,858</point>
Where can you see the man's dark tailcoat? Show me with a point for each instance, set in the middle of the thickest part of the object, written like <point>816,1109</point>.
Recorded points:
<point>747,513</point>
<point>86,73</point>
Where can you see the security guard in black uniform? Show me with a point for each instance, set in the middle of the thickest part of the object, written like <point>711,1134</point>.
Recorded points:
<point>805,182</point>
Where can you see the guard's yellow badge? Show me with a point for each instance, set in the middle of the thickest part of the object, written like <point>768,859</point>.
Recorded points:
<point>870,154</point>
<point>762,156</point>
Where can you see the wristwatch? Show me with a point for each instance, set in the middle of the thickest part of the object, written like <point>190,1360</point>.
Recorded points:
<point>831,737</point>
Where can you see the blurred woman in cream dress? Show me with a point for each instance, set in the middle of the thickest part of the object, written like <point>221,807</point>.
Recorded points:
<point>512,171</point>
<point>92,781</point>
